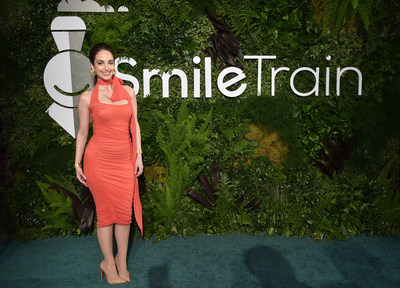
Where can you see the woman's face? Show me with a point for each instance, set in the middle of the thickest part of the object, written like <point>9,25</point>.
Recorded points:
<point>103,65</point>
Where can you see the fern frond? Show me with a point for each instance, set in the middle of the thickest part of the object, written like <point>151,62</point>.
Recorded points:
<point>340,15</point>
<point>184,145</point>
<point>364,10</point>
<point>354,3</point>
<point>384,173</point>
<point>56,210</point>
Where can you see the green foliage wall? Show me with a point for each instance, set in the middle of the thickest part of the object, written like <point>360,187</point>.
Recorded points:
<point>297,198</point>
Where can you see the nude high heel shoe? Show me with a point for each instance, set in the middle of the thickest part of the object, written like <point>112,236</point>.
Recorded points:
<point>123,275</point>
<point>117,280</point>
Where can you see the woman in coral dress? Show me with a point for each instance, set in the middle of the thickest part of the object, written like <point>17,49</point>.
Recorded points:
<point>112,161</point>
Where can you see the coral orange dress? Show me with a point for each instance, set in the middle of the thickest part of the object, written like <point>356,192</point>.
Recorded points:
<point>110,156</point>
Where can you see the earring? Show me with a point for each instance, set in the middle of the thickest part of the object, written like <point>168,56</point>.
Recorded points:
<point>92,73</point>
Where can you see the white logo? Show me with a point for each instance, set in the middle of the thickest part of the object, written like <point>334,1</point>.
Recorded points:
<point>67,75</point>
<point>86,6</point>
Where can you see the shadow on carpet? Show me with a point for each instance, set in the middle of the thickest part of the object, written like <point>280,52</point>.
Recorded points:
<point>208,261</point>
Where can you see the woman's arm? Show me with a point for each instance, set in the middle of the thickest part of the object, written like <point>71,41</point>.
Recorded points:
<point>139,162</point>
<point>81,137</point>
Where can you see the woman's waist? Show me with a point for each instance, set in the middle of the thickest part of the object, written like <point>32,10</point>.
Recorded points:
<point>110,144</point>
<point>105,141</point>
<point>112,134</point>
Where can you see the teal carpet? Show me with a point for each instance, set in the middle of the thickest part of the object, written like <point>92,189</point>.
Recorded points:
<point>208,261</point>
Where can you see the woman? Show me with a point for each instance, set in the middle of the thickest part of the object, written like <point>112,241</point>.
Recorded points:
<point>113,159</point>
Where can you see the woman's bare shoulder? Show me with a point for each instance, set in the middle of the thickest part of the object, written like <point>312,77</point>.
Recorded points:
<point>130,90</point>
<point>85,96</point>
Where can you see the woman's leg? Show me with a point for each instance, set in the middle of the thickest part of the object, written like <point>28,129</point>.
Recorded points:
<point>122,238</point>
<point>105,237</point>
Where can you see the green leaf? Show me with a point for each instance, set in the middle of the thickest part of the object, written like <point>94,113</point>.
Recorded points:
<point>364,11</point>
<point>313,136</point>
<point>354,3</point>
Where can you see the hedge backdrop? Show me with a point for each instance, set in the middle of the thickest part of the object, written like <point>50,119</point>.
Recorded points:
<point>325,167</point>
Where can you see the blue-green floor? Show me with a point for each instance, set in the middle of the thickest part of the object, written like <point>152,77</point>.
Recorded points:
<point>208,261</point>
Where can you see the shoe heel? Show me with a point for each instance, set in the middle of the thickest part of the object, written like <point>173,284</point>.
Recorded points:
<point>101,274</point>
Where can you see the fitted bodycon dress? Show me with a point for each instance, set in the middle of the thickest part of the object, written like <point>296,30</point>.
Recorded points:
<point>109,160</point>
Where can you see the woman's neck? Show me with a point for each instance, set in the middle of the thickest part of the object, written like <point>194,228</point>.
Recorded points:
<point>104,82</point>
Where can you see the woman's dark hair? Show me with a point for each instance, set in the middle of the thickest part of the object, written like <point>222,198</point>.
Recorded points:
<point>96,49</point>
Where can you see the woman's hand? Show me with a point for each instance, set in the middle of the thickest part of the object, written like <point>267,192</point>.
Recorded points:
<point>81,177</point>
<point>138,165</point>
